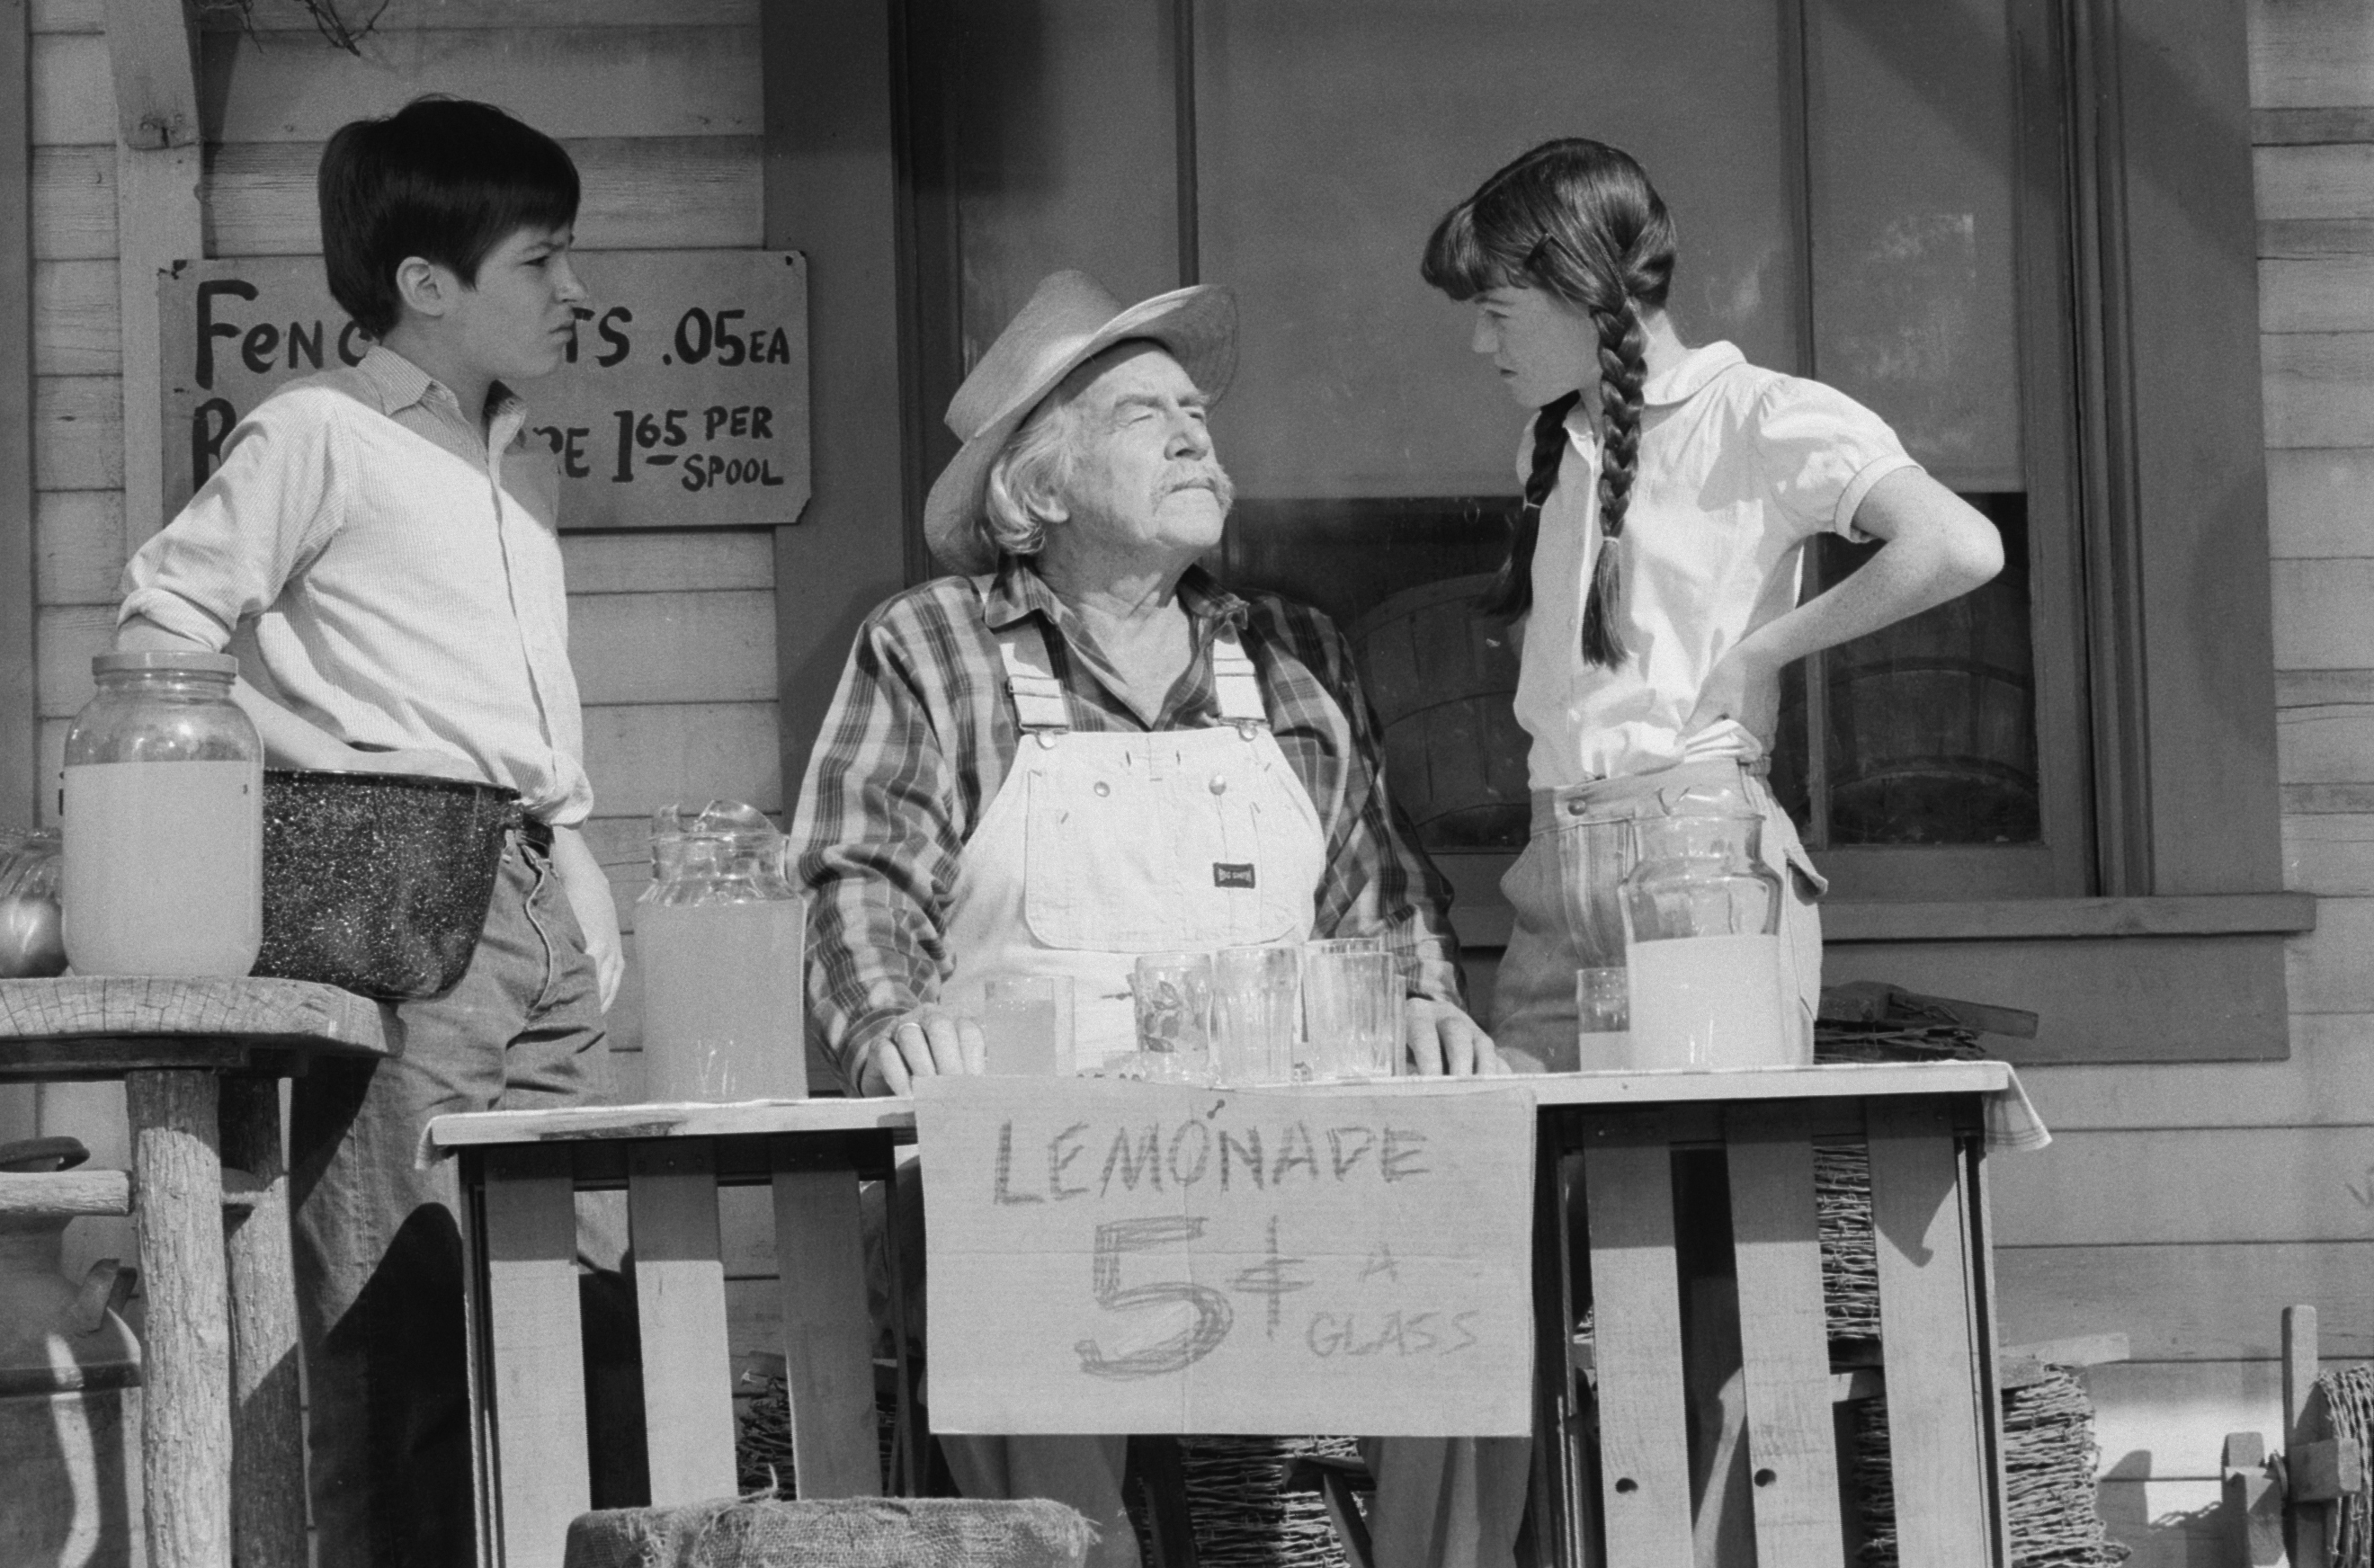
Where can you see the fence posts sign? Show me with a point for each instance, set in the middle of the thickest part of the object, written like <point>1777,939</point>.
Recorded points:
<point>1120,1256</point>
<point>683,403</point>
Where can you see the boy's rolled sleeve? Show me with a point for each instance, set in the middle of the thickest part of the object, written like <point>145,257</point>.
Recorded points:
<point>223,559</point>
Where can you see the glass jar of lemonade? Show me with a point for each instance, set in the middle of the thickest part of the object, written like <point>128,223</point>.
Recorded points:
<point>720,934</point>
<point>164,821</point>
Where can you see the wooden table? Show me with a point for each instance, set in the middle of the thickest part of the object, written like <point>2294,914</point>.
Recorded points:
<point>222,1433</point>
<point>1608,1142</point>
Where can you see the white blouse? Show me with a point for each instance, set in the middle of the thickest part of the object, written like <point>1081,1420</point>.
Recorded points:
<point>1736,468</point>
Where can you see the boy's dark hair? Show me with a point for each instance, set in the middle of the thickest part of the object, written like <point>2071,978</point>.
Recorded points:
<point>443,178</point>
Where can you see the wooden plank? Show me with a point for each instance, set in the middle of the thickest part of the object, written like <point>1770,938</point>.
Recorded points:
<point>2327,972</point>
<point>2326,745</point>
<point>2002,919</point>
<point>827,1335</point>
<point>2150,999</point>
<point>2253,1499</point>
<point>77,328</point>
<point>2181,1524</point>
<point>534,1335</point>
<point>445,14</point>
<point>191,1013</point>
<point>2311,1524</point>
<point>2327,1081</point>
<point>2319,389</point>
<point>73,93</point>
<point>267,1413</point>
<point>687,561</point>
<point>2314,238</point>
<point>158,222</point>
<point>64,640</point>
<point>2191,1185</point>
<point>2327,800</point>
<point>78,546</point>
<point>575,1124</point>
<point>78,433</point>
<point>1784,1345</point>
<point>680,1295</point>
<point>69,15</point>
<point>2306,53</point>
<point>2331,854</point>
<point>1934,1418</point>
<point>640,757</point>
<point>2334,182</point>
<point>2323,689</point>
<point>2324,294</point>
<point>27,1194</point>
<point>1644,1463</point>
<point>73,203</point>
<point>2166,1421</point>
<point>2316,499</point>
<point>834,190</point>
<point>646,81</point>
<point>18,717</point>
<point>185,1353</point>
<point>674,647</point>
<point>652,194</point>
<point>49,779</point>
<point>2320,615</point>
<point>2302,127</point>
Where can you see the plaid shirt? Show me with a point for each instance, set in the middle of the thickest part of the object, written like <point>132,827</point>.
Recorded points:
<point>923,733</point>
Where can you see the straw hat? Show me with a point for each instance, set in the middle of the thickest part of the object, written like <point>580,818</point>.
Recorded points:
<point>1069,320</point>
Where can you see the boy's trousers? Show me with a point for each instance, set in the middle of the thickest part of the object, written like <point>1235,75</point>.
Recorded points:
<point>380,1271</point>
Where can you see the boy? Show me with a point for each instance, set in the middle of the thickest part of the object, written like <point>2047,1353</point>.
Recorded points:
<point>379,549</point>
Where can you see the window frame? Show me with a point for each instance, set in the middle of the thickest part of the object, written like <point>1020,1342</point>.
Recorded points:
<point>2169,943</point>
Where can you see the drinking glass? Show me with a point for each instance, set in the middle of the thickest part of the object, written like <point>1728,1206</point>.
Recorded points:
<point>1352,1012</point>
<point>1173,994</point>
<point>1026,1025</point>
<point>1256,1014</point>
<point>1602,1006</point>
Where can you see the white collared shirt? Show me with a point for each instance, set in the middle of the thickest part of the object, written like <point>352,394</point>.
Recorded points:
<point>1737,467</point>
<point>365,553</point>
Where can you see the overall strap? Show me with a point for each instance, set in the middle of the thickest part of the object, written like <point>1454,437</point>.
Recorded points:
<point>1030,677</point>
<point>1235,684</point>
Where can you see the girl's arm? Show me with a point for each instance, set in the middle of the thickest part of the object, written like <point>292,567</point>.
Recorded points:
<point>1937,547</point>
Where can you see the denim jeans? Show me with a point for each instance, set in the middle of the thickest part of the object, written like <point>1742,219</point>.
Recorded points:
<point>380,1271</point>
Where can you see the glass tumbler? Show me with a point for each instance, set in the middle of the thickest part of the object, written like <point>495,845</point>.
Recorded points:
<point>1352,1013</point>
<point>1602,1006</point>
<point>1026,1025</point>
<point>1173,996</point>
<point>1256,1014</point>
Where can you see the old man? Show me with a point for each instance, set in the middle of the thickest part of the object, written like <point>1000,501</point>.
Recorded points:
<point>1084,748</point>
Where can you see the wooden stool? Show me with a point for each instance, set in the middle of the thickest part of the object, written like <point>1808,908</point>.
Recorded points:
<point>519,1174</point>
<point>222,1431</point>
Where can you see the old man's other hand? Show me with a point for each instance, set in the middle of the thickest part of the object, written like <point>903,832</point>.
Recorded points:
<point>930,1042</point>
<point>1443,1040</point>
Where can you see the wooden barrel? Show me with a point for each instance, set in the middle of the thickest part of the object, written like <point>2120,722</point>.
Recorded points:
<point>1443,677</point>
<point>1932,727</point>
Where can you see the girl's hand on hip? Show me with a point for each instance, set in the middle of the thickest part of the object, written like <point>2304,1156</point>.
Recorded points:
<point>1744,687</point>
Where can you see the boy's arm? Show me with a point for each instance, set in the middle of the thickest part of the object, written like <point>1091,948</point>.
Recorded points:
<point>588,891</point>
<point>289,740</point>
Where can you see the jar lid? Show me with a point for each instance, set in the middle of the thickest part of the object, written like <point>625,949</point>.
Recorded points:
<point>190,661</point>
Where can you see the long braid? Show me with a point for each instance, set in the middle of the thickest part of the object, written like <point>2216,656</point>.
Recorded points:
<point>1622,370</point>
<point>1580,220</point>
<point>1512,593</point>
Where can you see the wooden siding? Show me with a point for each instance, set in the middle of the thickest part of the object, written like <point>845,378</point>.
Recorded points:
<point>2186,1206</point>
<point>673,635</point>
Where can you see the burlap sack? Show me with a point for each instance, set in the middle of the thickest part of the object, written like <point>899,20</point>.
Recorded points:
<point>856,1532</point>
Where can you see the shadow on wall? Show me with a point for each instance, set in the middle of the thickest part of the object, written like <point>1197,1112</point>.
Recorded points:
<point>2195,1537</point>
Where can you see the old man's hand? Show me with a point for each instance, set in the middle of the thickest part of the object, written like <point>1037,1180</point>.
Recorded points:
<point>1444,1040</point>
<point>929,1042</point>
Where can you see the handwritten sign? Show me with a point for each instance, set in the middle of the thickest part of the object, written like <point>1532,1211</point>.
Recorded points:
<point>683,403</point>
<point>1118,1256</point>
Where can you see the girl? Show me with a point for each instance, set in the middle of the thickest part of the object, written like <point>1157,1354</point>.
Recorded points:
<point>1669,492</point>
